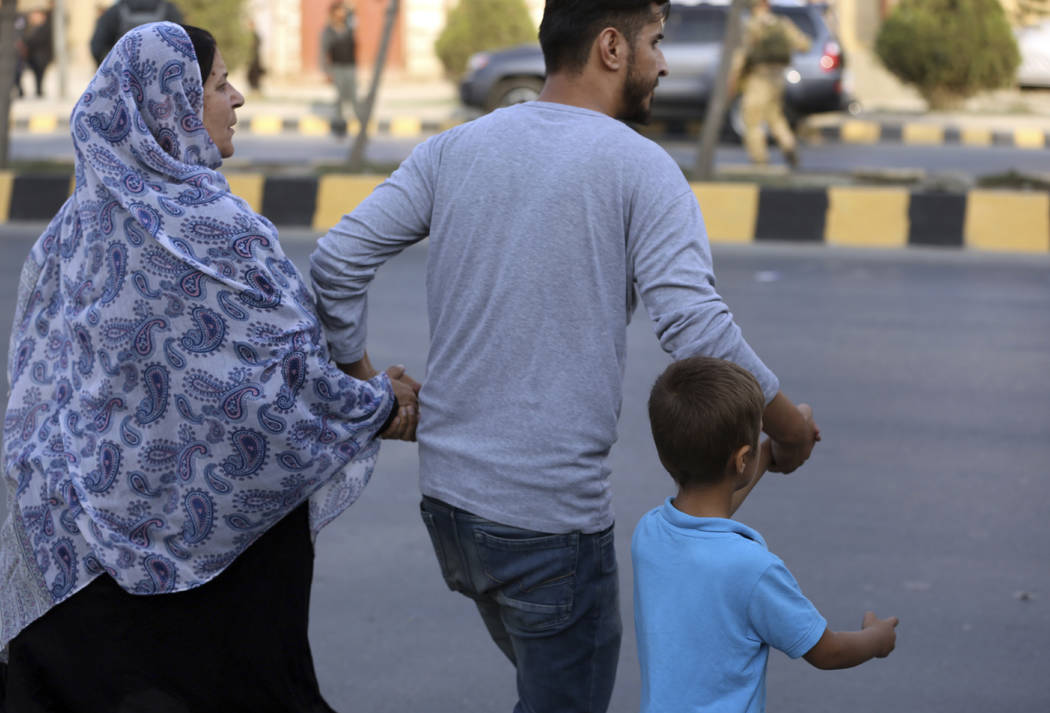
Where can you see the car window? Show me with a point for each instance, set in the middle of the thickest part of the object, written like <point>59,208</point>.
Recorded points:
<point>695,25</point>
<point>802,19</point>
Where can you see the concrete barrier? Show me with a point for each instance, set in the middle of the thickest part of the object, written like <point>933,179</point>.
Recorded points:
<point>734,212</point>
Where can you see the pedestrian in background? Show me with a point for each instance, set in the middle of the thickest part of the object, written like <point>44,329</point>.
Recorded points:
<point>255,66</point>
<point>125,15</point>
<point>339,59</point>
<point>38,46</point>
<point>768,43</point>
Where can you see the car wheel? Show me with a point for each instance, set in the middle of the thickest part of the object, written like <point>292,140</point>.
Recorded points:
<point>733,128</point>
<point>513,91</point>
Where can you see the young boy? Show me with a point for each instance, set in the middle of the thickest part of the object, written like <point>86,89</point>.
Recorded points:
<point>709,598</point>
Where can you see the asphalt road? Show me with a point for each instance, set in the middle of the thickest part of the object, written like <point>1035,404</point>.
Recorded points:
<point>927,499</point>
<point>292,150</point>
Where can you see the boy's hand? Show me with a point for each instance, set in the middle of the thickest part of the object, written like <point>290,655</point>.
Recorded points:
<point>887,637</point>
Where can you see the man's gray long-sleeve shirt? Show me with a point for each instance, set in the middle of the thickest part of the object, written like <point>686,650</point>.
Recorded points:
<point>545,220</point>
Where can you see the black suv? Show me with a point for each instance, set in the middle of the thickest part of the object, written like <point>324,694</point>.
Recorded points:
<point>692,45</point>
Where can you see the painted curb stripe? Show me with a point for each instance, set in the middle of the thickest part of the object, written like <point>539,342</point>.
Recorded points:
<point>867,217</point>
<point>730,210</point>
<point>38,196</point>
<point>936,219</point>
<point>7,180</point>
<point>290,200</point>
<point>789,214</point>
<point>337,195</point>
<point>248,186</point>
<point>1008,221</point>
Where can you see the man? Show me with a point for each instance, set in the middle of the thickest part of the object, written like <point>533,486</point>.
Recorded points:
<point>546,220</point>
<point>339,59</point>
<point>768,43</point>
<point>122,16</point>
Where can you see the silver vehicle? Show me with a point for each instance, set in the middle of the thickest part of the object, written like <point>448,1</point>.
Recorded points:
<point>692,46</point>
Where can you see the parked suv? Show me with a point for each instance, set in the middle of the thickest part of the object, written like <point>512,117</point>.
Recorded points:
<point>692,45</point>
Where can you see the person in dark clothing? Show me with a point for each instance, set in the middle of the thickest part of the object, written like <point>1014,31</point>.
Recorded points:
<point>125,15</point>
<point>339,57</point>
<point>38,47</point>
<point>255,67</point>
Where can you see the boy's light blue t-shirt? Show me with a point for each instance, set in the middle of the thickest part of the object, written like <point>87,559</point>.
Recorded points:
<point>709,601</point>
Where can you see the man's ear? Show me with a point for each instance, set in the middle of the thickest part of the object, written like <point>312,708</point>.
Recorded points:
<point>612,49</point>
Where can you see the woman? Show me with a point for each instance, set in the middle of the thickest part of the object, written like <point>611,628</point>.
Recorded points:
<point>175,431</point>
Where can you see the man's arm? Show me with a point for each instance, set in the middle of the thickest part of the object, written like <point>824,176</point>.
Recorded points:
<point>843,649</point>
<point>396,215</point>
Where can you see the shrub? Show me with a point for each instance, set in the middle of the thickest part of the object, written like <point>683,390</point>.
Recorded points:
<point>478,25</point>
<point>225,19</point>
<point>949,49</point>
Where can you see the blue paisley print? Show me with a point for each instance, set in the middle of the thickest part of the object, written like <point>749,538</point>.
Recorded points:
<point>171,392</point>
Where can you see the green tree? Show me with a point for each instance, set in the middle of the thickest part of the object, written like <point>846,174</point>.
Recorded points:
<point>226,20</point>
<point>479,25</point>
<point>949,49</point>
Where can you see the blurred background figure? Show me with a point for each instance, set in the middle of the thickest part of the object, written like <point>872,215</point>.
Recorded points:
<point>36,41</point>
<point>769,41</point>
<point>125,15</point>
<point>255,66</point>
<point>20,52</point>
<point>339,59</point>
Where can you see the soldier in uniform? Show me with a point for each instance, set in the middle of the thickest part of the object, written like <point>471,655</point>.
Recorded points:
<point>768,42</point>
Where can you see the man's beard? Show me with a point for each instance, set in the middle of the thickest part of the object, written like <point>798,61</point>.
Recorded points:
<point>636,106</point>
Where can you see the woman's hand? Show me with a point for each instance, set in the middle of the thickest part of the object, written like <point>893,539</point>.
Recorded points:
<point>406,389</point>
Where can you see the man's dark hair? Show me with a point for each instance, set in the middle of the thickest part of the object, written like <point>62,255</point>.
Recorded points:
<point>204,46</point>
<point>569,27</point>
<point>702,410</point>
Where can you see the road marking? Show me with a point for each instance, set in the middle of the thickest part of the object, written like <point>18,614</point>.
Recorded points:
<point>730,210</point>
<point>867,217</point>
<point>1008,221</point>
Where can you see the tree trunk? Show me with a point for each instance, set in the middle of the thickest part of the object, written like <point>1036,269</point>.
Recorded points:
<point>357,153</point>
<point>8,12</point>
<point>717,103</point>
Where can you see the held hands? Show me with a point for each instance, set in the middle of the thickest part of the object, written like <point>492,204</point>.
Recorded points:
<point>789,455</point>
<point>886,636</point>
<point>406,389</point>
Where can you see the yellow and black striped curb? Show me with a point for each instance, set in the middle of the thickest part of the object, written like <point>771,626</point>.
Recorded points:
<point>272,125</point>
<point>865,132</point>
<point>850,131</point>
<point>873,217</point>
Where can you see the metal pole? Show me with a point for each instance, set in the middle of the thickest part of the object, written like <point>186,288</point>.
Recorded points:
<point>59,18</point>
<point>357,152</point>
<point>8,12</point>
<point>716,105</point>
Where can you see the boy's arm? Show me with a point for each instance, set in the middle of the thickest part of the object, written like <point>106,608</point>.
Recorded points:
<point>765,457</point>
<point>843,649</point>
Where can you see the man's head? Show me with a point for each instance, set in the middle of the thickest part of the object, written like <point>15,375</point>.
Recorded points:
<point>703,413</point>
<point>337,12</point>
<point>622,35</point>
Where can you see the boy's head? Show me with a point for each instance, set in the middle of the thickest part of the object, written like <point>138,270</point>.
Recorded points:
<point>703,411</point>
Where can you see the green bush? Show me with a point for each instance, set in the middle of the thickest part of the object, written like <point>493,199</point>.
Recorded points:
<point>226,20</point>
<point>478,25</point>
<point>949,49</point>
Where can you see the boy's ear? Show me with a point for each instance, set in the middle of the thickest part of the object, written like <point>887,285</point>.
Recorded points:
<point>740,458</point>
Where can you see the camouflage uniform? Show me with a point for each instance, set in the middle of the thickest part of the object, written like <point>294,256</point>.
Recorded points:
<point>763,81</point>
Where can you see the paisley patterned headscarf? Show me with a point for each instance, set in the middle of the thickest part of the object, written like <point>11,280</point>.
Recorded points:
<point>171,392</point>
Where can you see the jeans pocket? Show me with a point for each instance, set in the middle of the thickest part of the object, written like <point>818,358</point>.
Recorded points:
<point>439,549</point>
<point>531,575</point>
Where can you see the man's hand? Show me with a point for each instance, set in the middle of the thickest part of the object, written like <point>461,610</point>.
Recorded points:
<point>887,637</point>
<point>790,452</point>
<point>406,389</point>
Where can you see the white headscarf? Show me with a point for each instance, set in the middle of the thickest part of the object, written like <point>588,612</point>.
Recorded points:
<point>171,392</point>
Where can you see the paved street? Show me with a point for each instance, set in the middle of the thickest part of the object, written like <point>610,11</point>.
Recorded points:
<point>927,499</point>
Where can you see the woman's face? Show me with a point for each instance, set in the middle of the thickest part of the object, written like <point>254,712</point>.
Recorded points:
<point>221,100</point>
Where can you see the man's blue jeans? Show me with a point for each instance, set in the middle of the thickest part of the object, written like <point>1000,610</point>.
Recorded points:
<point>550,602</point>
